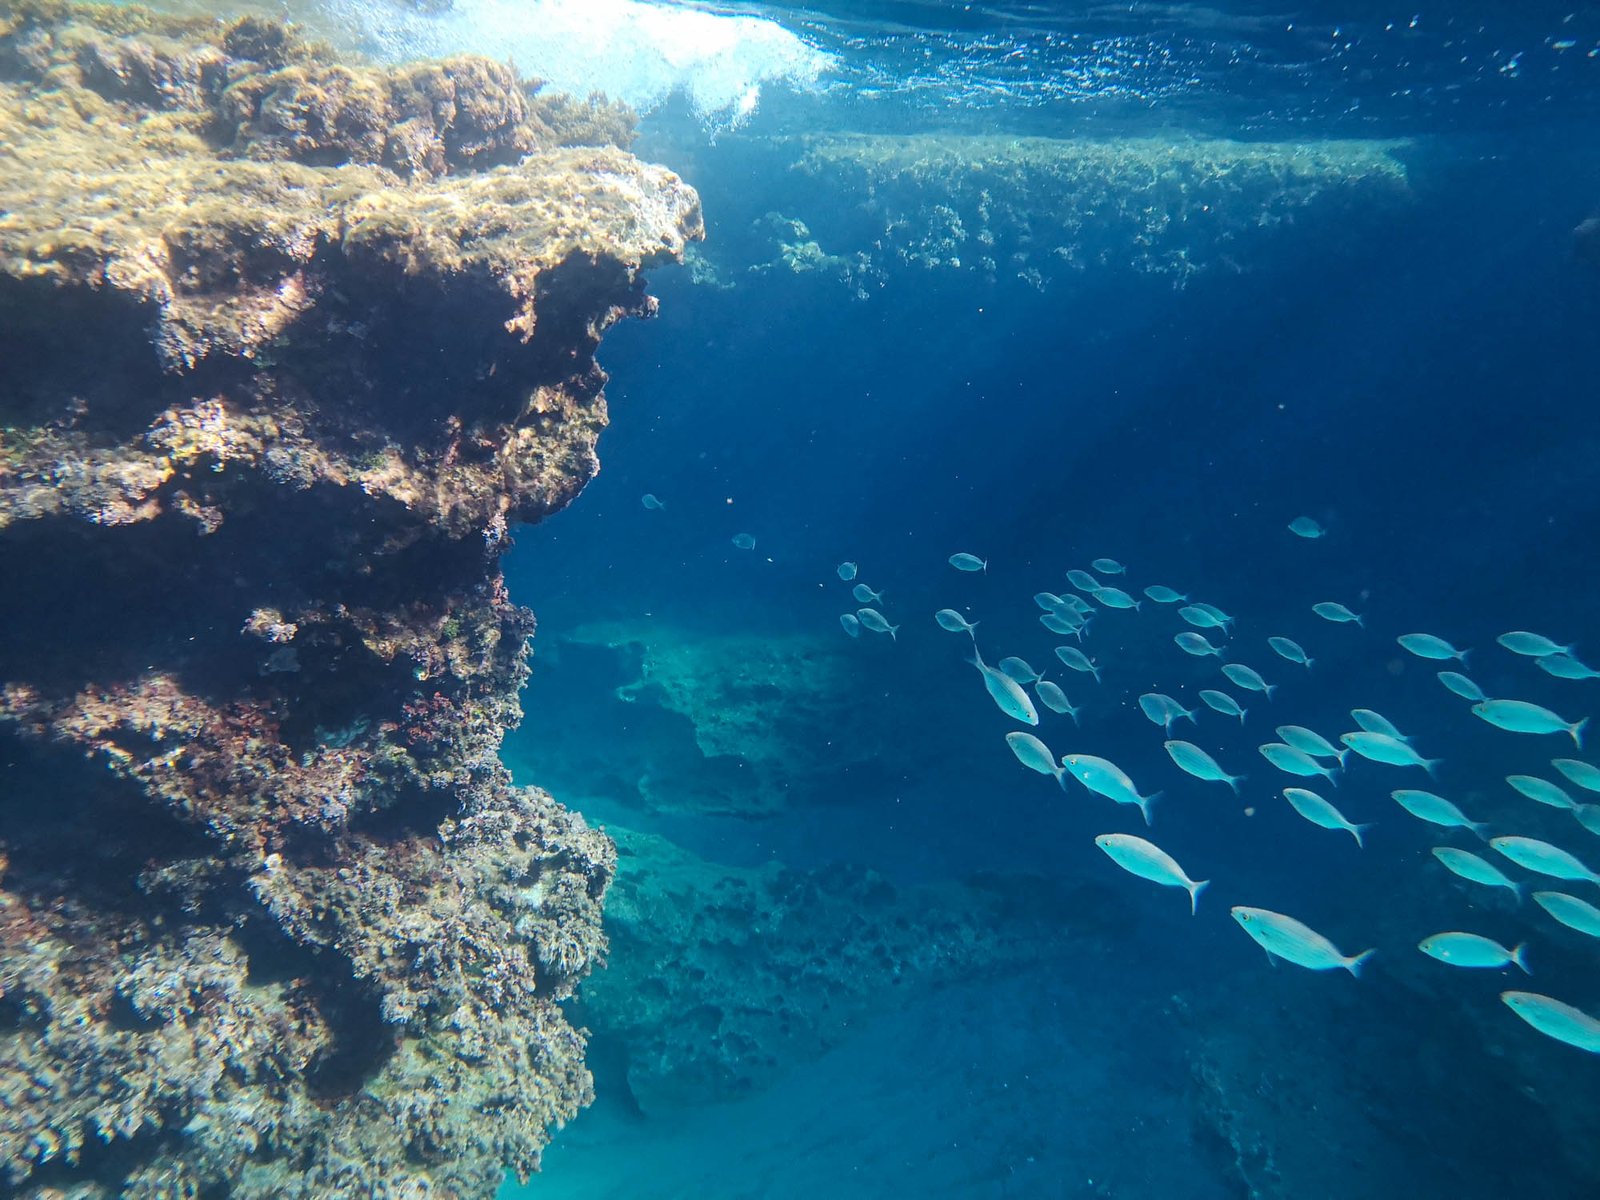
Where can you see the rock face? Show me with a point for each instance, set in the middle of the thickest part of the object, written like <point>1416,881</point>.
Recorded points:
<point>288,344</point>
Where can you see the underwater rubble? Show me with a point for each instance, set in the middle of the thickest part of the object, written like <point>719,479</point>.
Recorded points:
<point>290,343</point>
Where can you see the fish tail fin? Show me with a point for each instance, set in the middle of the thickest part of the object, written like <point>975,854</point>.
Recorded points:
<point>1074,711</point>
<point>1341,756</point>
<point>1233,782</point>
<point>1309,661</point>
<point>975,658</point>
<point>1355,962</point>
<point>1331,778</point>
<point>1481,828</point>
<point>1462,657</point>
<point>893,629</point>
<point>1361,622</point>
<point>1193,715</point>
<point>1577,732</point>
<point>1144,806</point>
<point>1520,957</point>
<point>1097,680</point>
<point>1242,711</point>
<point>1431,766</point>
<point>1195,889</point>
<point>986,566</point>
<point>1356,831</point>
<point>1270,688</point>
<point>1136,605</point>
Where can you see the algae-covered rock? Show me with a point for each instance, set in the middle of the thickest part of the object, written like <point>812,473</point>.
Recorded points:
<point>289,343</point>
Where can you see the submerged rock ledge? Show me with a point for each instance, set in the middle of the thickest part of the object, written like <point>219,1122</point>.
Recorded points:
<point>288,344</point>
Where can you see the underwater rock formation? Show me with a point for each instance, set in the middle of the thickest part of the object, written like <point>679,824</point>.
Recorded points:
<point>289,344</point>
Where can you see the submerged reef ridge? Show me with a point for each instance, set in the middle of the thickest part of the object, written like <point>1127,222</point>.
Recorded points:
<point>290,343</point>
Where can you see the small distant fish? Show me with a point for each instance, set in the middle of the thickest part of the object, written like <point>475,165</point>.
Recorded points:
<point>1005,691</point>
<point>1519,716</point>
<point>1019,670</point>
<point>1049,601</point>
<point>1565,666</point>
<point>1571,912</point>
<point>1308,741</point>
<point>1108,566</point>
<point>1083,581</point>
<point>1473,950</point>
<point>1290,649</point>
<point>1391,751</point>
<point>1060,623</point>
<point>852,626</point>
<point>744,541</point>
<point>1374,722</point>
<point>847,571</point>
<point>650,502</point>
<point>1461,685</point>
<point>1295,762</point>
<point>1116,598</point>
<point>1224,621</point>
<point>1319,812</point>
<point>1200,618</point>
<point>950,619</point>
<point>1532,645</point>
<point>1165,595</point>
<point>1579,772</point>
<point>1197,762</point>
<point>1105,778</point>
<point>1078,661</point>
<point>1436,810</point>
<point>1306,527</point>
<point>1195,643</point>
<point>1474,869</point>
<point>1555,1019</point>
<point>1245,677</point>
<point>968,562</point>
<point>865,595</point>
<point>1425,645</point>
<point>872,619</point>
<point>1223,703</point>
<point>1036,756</point>
<point>1163,710</point>
<point>1149,861</point>
<point>1284,937</point>
<point>1542,790</point>
<point>1543,859</point>
<point>1053,698</point>
<point>1337,613</point>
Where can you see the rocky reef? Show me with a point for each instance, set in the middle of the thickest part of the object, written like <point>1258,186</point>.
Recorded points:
<point>290,344</point>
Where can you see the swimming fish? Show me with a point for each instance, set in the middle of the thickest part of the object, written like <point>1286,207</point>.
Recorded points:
<point>1284,937</point>
<point>1555,1019</point>
<point>1215,613</point>
<point>1532,645</point>
<point>1565,666</point>
<point>1149,861</point>
<point>1571,912</point>
<point>1337,613</point>
<point>1543,859</point>
<point>1105,778</point>
<point>1200,618</point>
<point>650,502</point>
<point>1436,810</point>
<point>1374,722</point>
<point>1381,748</point>
<point>1108,566</point>
<point>1201,765</point>
<point>1196,644</point>
<point>1294,762</point>
<point>847,571</point>
<point>1425,645</point>
<point>1223,703</point>
<point>851,625</point>
<point>1078,661</point>
<point>1019,670</point>
<point>1115,598</point>
<point>744,541</point>
<point>1319,812</point>
<point>1541,790</point>
<point>1519,716</point>
<point>1053,698</point>
<point>865,595</point>
<point>1163,710</point>
<point>1049,601</point>
<point>1473,950</point>
<point>1308,741</point>
<point>950,619</point>
<point>1164,595</point>
<point>1060,622</point>
<point>1461,685</point>
<point>872,619</point>
<point>1036,756</point>
<point>1306,527</point>
<point>1580,772</point>
<point>1078,605</point>
<point>1474,869</point>
<point>968,562</point>
<point>1083,581</point>
<point>1006,692</point>
<point>1290,649</point>
<point>1243,676</point>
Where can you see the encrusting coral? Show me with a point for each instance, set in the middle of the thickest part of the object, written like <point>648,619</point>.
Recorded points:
<point>289,345</point>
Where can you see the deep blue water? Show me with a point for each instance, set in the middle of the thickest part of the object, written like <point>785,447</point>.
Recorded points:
<point>1418,376</point>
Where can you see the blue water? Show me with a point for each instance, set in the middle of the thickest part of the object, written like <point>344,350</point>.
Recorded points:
<point>1419,376</point>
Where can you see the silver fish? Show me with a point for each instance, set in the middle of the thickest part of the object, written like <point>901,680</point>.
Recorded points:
<point>1290,649</point>
<point>1200,618</point>
<point>1473,950</point>
<point>1337,613</point>
<point>1474,869</point>
<point>1542,791</point>
<point>865,595</point>
<point>1425,645</point>
<point>1381,748</point>
<point>950,619</point>
<point>1036,756</point>
<point>1116,598</point>
<point>1243,676</point>
<point>1461,685</point>
<point>846,570</point>
<point>1019,670</point>
<point>1319,812</point>
<point>1053,698</point>
<point>851,625</point>
<point>1308,741</point>
<point>1083,581</point>
<point>1294,762</point>
<point>1223,703</point>
<point>1006,693</point>
<point>1519,716</point>
<point>1284,937</point>
<point>1049,601</point>
<point>1579,772</point>
<point>1163,710</point>
<point>1532,645</point>
<point>1543,859</point>
<point>1105,778</point>
<point>1060,622</point>
<point>1214,612</point>
<point>1565,666</point>
<point>968,562</point>
<point>1555,1019</point>
<point>1194,643</point>
<point>1078,661</point>
<point>1436,810</point>
<point>1197,762</point>
<point>743,541</point>
<point>1571,912</point>
<point>1165,595</point>
<point>872,619</point>
<point>1149,861</point>
<point>1377,723</point>
<point>650,502</point>
<point>1306,527</point>
<point>1108,566</point>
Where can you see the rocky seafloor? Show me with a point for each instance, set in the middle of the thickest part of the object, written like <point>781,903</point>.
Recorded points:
<point>289,344</point>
